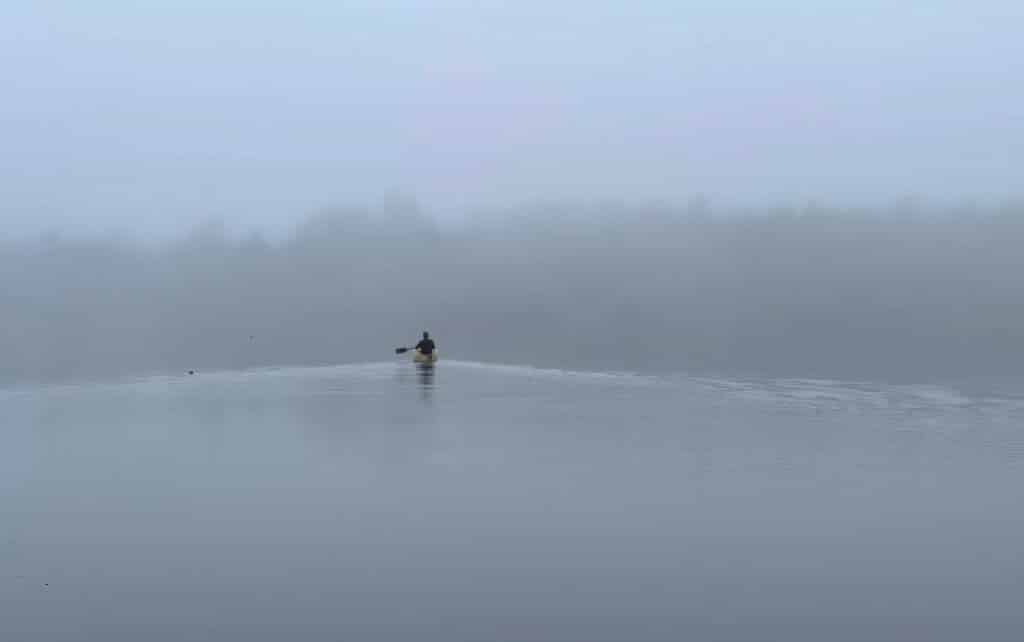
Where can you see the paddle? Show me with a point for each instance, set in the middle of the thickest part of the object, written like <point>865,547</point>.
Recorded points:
<point>401,350</point>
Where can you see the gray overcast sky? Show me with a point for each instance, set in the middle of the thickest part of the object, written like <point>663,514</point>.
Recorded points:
<point>151,116</point>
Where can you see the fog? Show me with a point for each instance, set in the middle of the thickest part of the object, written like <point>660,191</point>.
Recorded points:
<point>120,117</point>
<point>126,128</point>
<point>765,259</point>
<point>807,292</point>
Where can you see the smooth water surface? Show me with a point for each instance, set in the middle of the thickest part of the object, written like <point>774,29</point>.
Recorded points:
<point>477,502</point>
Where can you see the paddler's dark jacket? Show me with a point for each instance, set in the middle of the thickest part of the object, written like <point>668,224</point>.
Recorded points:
<point>426,346</point>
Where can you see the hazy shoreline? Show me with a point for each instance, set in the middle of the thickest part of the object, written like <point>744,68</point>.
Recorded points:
<point>823,293</point>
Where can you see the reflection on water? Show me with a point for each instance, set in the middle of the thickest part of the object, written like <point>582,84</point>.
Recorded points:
<point>425,380</point>
<point>426,377</point>
<point>422,376</point>
<point>508,503</point>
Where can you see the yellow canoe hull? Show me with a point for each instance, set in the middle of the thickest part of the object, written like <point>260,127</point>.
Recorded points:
<point>419,357</point>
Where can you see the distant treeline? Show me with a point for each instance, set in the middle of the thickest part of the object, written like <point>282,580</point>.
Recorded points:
<point>814,293</point>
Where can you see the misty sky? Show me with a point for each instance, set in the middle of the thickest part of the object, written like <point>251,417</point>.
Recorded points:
<point>151,117</point>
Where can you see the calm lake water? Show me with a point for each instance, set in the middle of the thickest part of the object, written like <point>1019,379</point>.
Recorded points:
<point>478,503</point>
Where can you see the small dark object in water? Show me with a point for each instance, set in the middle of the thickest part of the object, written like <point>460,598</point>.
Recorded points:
<point>191,372</point>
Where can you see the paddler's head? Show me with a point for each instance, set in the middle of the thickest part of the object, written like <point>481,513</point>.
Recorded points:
<point>426,335</point>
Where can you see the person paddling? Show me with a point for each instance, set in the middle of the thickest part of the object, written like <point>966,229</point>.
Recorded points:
<point>426,345</point>
<point>424,352</point>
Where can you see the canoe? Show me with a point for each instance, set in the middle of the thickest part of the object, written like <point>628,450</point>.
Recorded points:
<point>419,357</point>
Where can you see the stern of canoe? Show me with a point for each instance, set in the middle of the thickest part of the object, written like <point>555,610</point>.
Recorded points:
<point>419,357</point>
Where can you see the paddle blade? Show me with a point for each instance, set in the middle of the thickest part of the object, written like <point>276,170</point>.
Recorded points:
<point>401,350</point>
